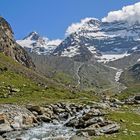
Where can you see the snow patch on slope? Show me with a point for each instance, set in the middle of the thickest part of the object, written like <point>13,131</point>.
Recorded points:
<point>92,49</point>
<point>138,60</point>
<point>105,58</point>
<point>70,52</point>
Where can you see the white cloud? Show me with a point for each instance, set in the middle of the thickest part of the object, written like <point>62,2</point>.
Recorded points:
<point>128,13</point>
<point>75,26</point>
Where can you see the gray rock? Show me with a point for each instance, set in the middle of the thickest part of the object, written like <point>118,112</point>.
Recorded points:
<point>109,129</point>
<point>94,121</point>
<point>118,102</point>
<point>44,118</point>
<point>14,90</point>
<point>137,97</point>
<point>35,108</point>
<point>89,131</point>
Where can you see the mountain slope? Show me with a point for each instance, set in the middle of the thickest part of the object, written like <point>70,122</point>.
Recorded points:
<point>132,75</point>
<point>83,75</point>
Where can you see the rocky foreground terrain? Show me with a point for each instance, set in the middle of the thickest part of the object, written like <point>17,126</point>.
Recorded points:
<point>80,122</point>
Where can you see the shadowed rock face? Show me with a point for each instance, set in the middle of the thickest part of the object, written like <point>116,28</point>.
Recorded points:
<point>9,46</point>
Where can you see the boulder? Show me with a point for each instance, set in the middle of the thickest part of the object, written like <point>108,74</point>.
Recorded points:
<point>17,123</point>
<point>47,111</point>
<point>94,120</point>
<point>108,129</point>
<point>29,120</point>
<point>74,122</point>
<point>2,118</point>
<point>118,102</point>
<point>14,90</point>
<point>35,108</point>
<point>44,118</point>
<point>137,97</point>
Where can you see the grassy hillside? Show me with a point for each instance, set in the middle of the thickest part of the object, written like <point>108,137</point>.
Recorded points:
<point>19,84</point>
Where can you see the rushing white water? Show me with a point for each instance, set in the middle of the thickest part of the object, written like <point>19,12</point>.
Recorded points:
<point>48,132</point>
<point>118,75</point>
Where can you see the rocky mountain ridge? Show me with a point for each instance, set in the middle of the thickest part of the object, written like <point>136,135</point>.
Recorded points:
<point>102,40</point>
<point>9,47</point>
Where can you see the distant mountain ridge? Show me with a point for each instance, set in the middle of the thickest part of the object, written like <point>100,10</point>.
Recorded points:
<point>105,41</point>
<point>114,38</point>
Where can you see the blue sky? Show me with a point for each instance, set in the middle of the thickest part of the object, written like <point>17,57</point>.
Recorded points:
<point>52,17</point>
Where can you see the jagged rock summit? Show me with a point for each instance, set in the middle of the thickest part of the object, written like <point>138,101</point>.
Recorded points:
<point>9,47</point>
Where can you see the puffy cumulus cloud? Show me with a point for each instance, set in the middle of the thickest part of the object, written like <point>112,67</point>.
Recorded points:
<point>129,13</point>
<point>75,26</point>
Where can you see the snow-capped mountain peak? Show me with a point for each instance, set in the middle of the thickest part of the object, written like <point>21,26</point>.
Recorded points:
<point>107,41</point>
<point>32,36</point>
<point>38,44</point>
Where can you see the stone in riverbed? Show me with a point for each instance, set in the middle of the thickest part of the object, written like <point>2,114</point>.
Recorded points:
<point>44,118</point>
<point>94,120</point>
<point>92,113</point>
<point>28,120</point>
<point>2,118</point>
<point>17,123</point>
<point>35,108</point>
<point>137,97</point>
<point>19,139</point>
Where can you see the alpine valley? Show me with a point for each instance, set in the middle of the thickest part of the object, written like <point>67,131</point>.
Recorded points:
<point>92,57</point>
<point>83,87</point>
